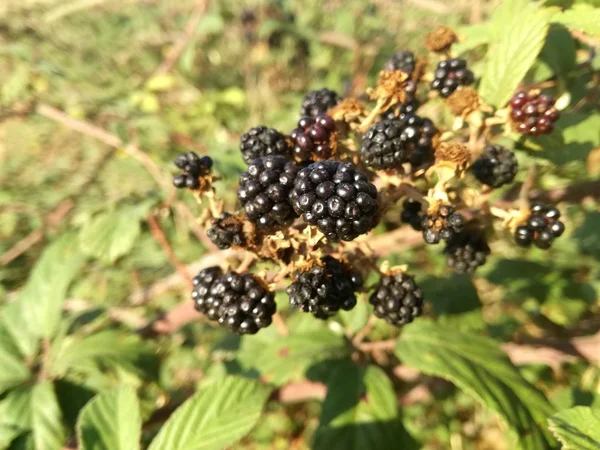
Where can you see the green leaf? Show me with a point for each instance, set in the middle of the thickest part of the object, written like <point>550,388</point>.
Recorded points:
<point>478,366</point>
<point>577,428</point>
<point>471,37</point>
<point>15,409</point>
<point>215,417</point>
<point>519,28</point>
<point>46,288</point>
<point>13,370</point>
<point>108,348</point>
<point>111,421</point>
<point>110,235</point>
<point>357,318</point>
<point>8,433</point>
<point>360,411</point>
<point>582,18</point>
<point>559,51</point>
<point>46,418</point>
<point>16,331</point>
<point>280,359</point>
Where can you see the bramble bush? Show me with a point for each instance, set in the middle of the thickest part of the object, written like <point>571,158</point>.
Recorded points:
<point>399,248</point>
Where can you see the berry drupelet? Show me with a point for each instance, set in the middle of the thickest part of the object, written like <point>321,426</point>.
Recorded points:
<point>533,113</point>
<point>467,251</point>
<point>451,74</point>
<point>262,141</point>
<point>336,198</point>
<point>390,143</point>
<point>403,60</point>
<point>324,289</point>
<point>313,138</point>
<point>193,168</point>
<point>412,214</point>
<point>496,166</point>
<point>226,231</point>
<point>397,299</point>
<point>318,102</point>
<point>264,192</point>
<point>444,224</point>
<point>541,228</point>
<point>239,302</point>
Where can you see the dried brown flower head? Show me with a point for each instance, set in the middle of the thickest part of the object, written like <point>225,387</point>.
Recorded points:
<point>463,101</point>
<point>440,39</point>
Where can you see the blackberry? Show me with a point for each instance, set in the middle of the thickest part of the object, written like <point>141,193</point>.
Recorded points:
<point>390,143</point>
<point>533,113</point>
<point>193,168</point>
<point>401,109</point>
<point>496,166</point>
<point>444,224</point>
<point>541,228</point>
<point>397,299</point>
<point>264,191</point>
<point>262,141</point>
<point>403,60</point>
<point>451,74</point>
<point>337,198</point>
<point>226,231</point>
<point>318,102</point>
<point>467,251</point>
<point>411,214</point>
<point>239,302</point>
<point>324,289</point>
<point>313,138</point>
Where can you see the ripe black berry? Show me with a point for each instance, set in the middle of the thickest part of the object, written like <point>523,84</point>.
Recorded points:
<point>444,224</point>
<point>262,141</point>
<point>412,214</point>
<point>337,198</point>
<point>226,231</point>
<point>541,228</point>
<point>533,113</point>
<point>451,74</point>
<point>239,302</point>
<point>390,143</point>
<point>496,166</point>
<point>193,168</point>
<point>467,251</point>
<point>403,60</point>
<point>397,299</point>
<point>264,191</point>
<point>313,138</point>
<point>324,289</point>
<point>318,102</point>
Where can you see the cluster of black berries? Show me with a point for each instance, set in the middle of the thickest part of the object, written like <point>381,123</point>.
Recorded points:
<point>318,102</point>
<point>401,109</point>
<point>444,224</point>
<point>226,231</point>
<point>262,141</point>
<point>533,113</point>
<point>541,227</point>
<point>398,299</point>
<point>313,138</point>
<point>193,168</point>
<point>450,74</point>
<point>324,289</point>
<point>239,302</point>
<point>390,143</point>
<point>412,214</point>
<point>403,60</point>
<point>467,251</point>
<point>496,166</point>
<point>264,192</point>
<point>337,198</point>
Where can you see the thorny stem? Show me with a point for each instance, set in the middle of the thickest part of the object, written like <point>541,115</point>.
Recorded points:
<point>365,124</point>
